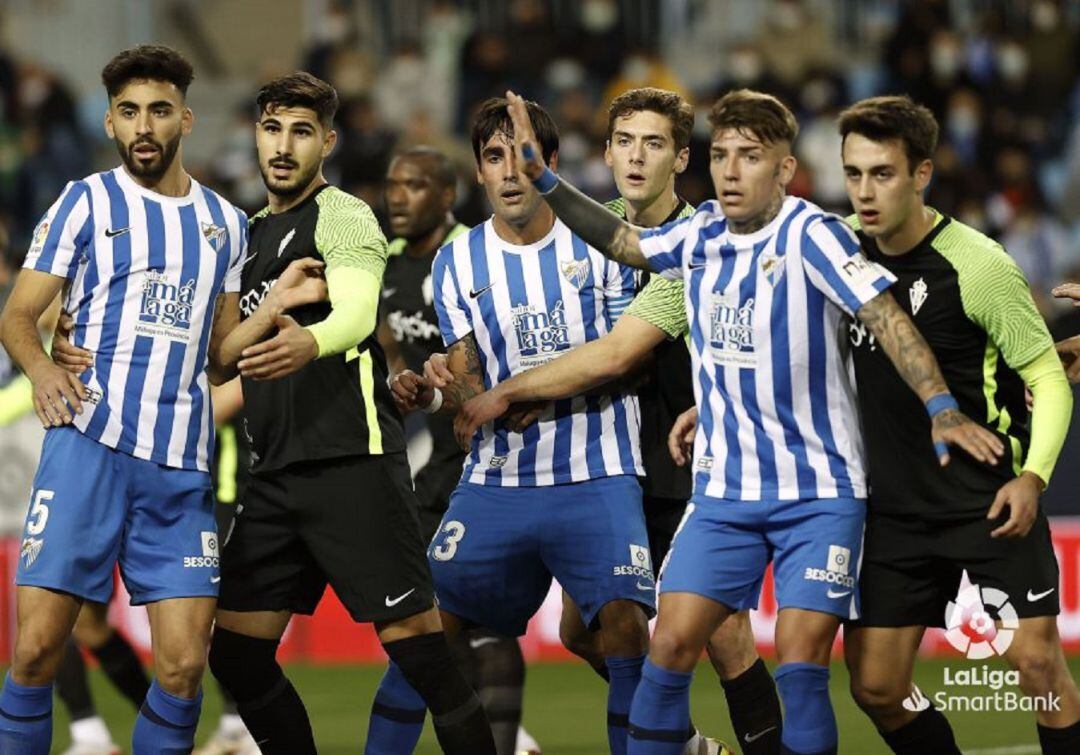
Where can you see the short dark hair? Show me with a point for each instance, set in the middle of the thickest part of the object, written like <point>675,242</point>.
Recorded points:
<point>882,119</point>
<point>441,167</point>
<point>494,116</point>
<point>299,89</point>
<point>763,115</point>
<point>155,62</point>
<point>668,104</point>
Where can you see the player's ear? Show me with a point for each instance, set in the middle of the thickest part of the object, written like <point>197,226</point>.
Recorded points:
<point>924,172</point>
<point>607,154</point>
<point>449,196</point>
<point>109,131</point>
<point>682,159</point>
<point>553,162</point>
<point>788,166</point>
<point>187,121</point>
<point>329,143</point>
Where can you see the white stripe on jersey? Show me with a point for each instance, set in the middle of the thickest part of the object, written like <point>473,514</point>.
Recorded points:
<point>526,305</point>
<point>776,408</point>
<point>144,271</point>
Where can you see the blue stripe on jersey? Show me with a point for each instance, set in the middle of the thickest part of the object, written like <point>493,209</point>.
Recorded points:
<point>766,454</point>
<point>813,254</point>
<point>782,392</point>
<point>819,390</point>
<point>114,303</point>
<point>83,239</point>
<point>442,267</point>
<point>486,304</point>
<point>673,258</point>
<point>81,306</point>
<point>733,462</point>
<point>56,227</point>
<point>519,297</point>
<point>564,420</point>
<point>594,452</point>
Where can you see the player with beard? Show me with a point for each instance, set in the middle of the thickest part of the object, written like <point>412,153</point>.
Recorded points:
<point>140,254</point>
<point>420,192</point>
<point>329,499</point>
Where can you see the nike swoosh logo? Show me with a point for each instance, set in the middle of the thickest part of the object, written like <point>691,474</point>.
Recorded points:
<point>699,266</point>
<point>757,736</point>
<point>398,599</point>
<point>841,594</point>
<point>645,587</point>
<point>479,642</point>
<point>214,580</point>
<point>473,293</point>
<point>109,232</point>
<point>1032,597</point>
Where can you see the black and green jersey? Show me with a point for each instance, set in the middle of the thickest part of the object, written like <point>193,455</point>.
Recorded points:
<point>669,390</point>
<point>973,306</point>
<point>338,405</point>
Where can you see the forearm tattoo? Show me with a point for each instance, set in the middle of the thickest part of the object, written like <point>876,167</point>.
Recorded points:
<point>467,383</point>
<point>596,224</point>
<point>906,347</point>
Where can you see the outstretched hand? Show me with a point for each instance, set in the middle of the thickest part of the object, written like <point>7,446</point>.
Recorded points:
<point>529,155</point>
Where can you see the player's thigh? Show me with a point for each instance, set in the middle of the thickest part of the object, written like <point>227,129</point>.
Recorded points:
<point>1036,652</point>
<point>719,553</point>
<point>359,524</point>
<point>75,518</point>
<point>902,582</point>
<point>44,620</point>
<point>805,636</point>
<point>594,542</point>
<point>92,627</point>
<point>265,625</point>
<point>684,623</point>
<point>573,633</point>
<point>817,545</point>
<point>266,568</point>
<point>731,647</point>
<point>180,638</point>
<point>170,546</point>
<point>485,558</point>
<point>881,662</point>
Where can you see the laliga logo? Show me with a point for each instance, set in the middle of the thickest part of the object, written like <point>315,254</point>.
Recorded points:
<point>971,629</point>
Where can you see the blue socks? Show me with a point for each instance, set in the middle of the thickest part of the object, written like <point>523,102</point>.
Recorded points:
<point>25,719</point>
<point>166,723</point>
<point>660,715</point>
<point>809,721</point>
<point>623,677</point>
<point>397,716</point>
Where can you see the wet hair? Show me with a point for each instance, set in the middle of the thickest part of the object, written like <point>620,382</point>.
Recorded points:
<point>757,113</point>
<point>494,116</point>
<point>299,89</point>
<point>883,119</point>
<point>668,104</point>
<point>154,62</point>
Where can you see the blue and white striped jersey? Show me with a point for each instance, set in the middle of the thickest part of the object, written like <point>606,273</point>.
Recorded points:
<point>776,408</point>
<point>143,272</point>
<point>526,305</point>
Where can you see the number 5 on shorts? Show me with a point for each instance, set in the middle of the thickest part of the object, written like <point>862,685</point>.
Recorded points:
<point>39,513</point>
<point>451,534</point>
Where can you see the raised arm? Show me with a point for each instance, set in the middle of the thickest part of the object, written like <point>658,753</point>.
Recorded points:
<point>913,359</point>
<point>58,393</point>
<point>590,220</point>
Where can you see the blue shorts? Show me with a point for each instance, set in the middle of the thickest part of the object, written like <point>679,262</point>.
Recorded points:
<point>92,506</point>
<point>722,548</point>
<point>497,548</point>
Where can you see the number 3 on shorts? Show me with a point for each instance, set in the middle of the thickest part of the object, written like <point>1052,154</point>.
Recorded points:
<point>39,513</point>
<point>451,533</point>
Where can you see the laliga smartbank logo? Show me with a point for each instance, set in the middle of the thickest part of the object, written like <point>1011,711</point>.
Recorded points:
<point>980,623</point>
<point>970,625</point>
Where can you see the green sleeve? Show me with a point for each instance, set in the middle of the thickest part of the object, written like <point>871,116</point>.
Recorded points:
<point>347,233</point>
<point>354,302</point>
<point>997,298</point>
<point>1050,414</point>
<point>661,304</point>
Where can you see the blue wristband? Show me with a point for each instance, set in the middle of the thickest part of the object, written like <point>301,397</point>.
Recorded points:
<point>941,448</point>
<point>547,181</point>
<point>940,403</point>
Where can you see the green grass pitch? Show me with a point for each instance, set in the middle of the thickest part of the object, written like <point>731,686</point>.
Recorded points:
<point>564,709</point>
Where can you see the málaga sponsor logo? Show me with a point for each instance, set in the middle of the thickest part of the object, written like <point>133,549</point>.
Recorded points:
<point>981,623</point>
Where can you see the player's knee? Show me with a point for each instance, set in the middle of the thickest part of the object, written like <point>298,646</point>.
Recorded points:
<point>878,695</point>
<point>35,658</point>
<point>672,651</point>
<point>180,672</point>
<point>246,666</point>
<point>1038,667</point>
<point>577,639</point>
<point>625,628</point>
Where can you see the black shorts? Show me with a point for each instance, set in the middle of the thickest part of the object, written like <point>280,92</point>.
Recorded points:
<point>350,522</point>
<point>912,567</point>
<point>662,518</point>
<point>434,484</point>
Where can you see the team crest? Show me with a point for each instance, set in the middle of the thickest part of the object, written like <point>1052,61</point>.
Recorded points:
<point>31,547</point>
<point>917,294</point>
<point>576,272</point>
<point>772,267</point>
<point>214,235</point>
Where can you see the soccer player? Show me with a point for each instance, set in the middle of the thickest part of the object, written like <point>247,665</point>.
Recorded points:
<point>778,463</point>
<point>648,138</point>
<point>142,254</point>
<point>926,524</point>
<point>560,498</point>
<point>329,498</point>
<point>420,192</point>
